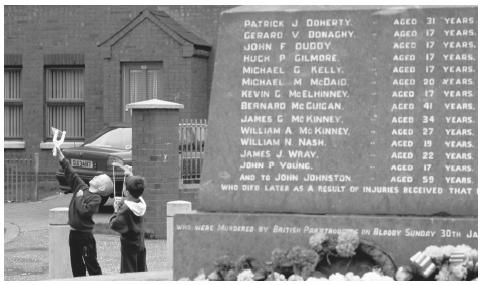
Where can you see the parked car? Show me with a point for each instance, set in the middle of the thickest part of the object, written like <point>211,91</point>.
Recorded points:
<point>96,155</point>
<point>114,144</point>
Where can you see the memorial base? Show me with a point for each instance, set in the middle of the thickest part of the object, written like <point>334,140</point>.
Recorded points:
<point>202,237</point>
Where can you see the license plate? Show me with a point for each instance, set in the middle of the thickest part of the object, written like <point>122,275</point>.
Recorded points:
<point>82,163</point>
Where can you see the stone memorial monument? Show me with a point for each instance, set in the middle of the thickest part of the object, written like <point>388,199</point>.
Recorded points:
<point>325,118</point>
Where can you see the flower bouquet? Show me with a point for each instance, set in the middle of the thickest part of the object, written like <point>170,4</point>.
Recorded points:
<point>298,261</point>
<point>224,270</point>
<point>444,263</point>
<point>245,269</point>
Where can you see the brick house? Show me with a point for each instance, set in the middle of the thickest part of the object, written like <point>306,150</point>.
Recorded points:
<point>76,67</point>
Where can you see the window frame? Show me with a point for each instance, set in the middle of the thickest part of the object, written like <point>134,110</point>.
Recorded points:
<point>47,133</point>
<point>15,102</point>
<point>126,67</point>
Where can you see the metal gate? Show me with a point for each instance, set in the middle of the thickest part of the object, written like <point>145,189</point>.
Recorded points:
<point>21,178</point>
<point>192,134</point>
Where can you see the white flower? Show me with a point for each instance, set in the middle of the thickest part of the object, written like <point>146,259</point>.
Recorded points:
<point>336,277</point>
<point>278,277</point>
<point>458,271</point>
<point>315,279</point>
<point>463,248</point>
<point>295,277</point>
<point>316,241</point>
<point>473,254</point>
<point>213,276</point>
<point>447,250</point>
<point>374,276</point>
<point>200,277</point>
<point>352,277</point>
<point>347,243</point>
<point>443,274</point>
<point>435,253</point>
<point>403,274</point>
<point>370,276</point>
<point>245,275</point>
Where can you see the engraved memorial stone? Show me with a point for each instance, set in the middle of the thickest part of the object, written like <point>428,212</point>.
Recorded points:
<point>324,118</point>
<point>341,110</point>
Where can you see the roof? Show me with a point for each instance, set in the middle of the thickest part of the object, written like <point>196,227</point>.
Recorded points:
<point>165,19</point>
<point>166,24</point>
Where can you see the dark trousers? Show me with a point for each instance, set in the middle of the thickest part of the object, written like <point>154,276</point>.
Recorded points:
<point>133,257</point>
<point>83,253</point>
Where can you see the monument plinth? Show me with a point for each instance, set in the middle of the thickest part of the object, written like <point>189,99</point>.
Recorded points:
<point>343,111</point>
<point>202,237</point>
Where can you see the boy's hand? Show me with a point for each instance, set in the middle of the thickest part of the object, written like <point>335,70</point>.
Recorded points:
<point>80,193</point>
<point>60,155</point>
<point>57,142</point>
<point>127,170</point>
<point>117,204</point>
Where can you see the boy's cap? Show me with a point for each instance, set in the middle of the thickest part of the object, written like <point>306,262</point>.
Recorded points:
<point>103,184</point>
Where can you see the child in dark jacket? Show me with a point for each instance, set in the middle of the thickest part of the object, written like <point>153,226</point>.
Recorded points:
<point>128,220</point>
<point>85,202</point>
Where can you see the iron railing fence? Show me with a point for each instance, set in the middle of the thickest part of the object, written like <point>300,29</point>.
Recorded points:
<point>21,178</point>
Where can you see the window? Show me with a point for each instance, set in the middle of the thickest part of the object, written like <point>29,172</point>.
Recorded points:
<point>141,81</point>
<point>13,107</point>
<point>64,93</point>
<point>119,138</point>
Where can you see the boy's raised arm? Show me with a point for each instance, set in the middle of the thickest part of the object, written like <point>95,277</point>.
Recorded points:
<point>73,179</point>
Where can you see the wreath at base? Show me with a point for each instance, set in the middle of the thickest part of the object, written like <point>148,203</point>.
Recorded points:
<point>331,257</point>
<point>335,257</point>
<point>346,257</point>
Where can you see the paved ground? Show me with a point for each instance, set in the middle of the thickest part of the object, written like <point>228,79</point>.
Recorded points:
<point>26,241</point>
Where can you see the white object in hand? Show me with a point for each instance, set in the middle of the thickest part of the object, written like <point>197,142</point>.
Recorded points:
<point>56,141</point>
<point>117,163</point>
<point>127,168</point>
<point>118,201</point>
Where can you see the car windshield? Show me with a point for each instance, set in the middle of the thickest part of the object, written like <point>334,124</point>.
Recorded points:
<point>119,138</point>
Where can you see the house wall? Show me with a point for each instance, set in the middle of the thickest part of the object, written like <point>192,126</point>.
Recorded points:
<point>36,31</point>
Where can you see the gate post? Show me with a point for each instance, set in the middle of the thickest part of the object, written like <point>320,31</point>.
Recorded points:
<point>155,156</point>
<point>173,208</point>
<point>59,251</point>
